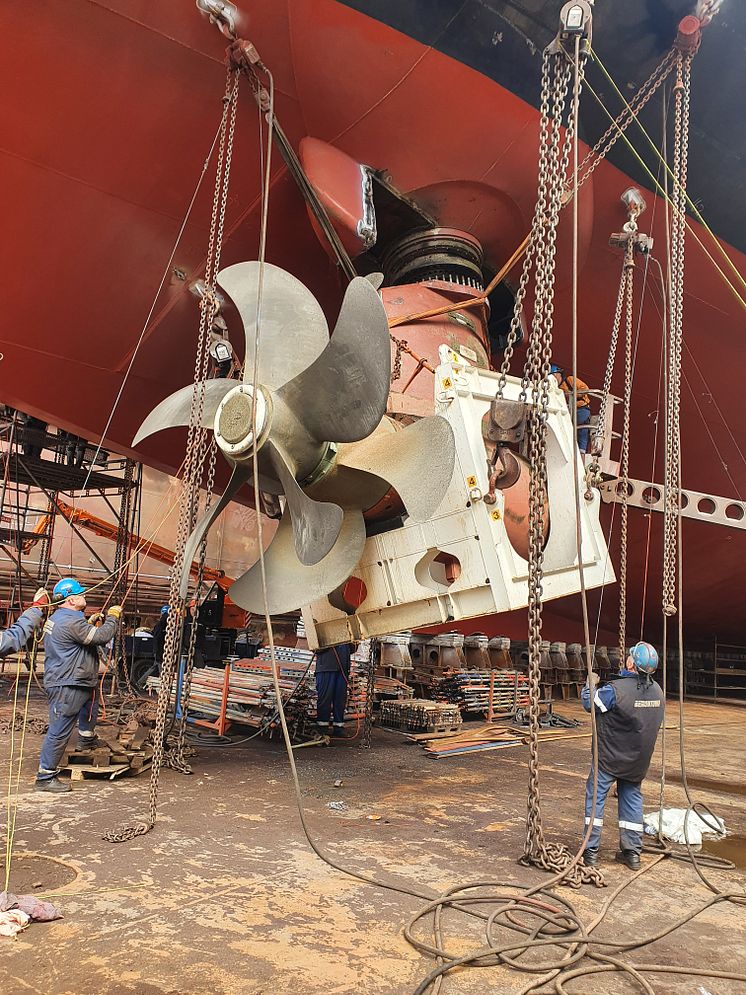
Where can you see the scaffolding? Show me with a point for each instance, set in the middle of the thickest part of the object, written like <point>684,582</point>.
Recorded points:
<point>39,465</point>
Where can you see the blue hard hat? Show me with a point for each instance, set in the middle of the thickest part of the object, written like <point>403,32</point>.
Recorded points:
<point>66,588</point>
<point>645,657</point>
<point>164,610</point>
<point>555,369</point>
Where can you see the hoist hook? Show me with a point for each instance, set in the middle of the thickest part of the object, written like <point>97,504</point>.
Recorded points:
<point>222,13</point>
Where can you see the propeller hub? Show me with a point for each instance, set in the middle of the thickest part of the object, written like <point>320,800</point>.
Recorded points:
<point>233,427</point>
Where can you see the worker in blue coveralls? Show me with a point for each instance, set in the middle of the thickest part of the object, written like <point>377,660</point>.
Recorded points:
<point>71,663</point>
<point>332,680</point>
<point>629,713</point>
<point>15,638</point>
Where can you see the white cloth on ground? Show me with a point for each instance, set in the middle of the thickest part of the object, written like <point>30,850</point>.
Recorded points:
<point>674,820</point>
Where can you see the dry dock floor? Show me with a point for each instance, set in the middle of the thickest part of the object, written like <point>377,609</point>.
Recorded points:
<point>225,897</point>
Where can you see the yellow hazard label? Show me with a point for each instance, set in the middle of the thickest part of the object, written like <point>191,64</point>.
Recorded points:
<point>495,515</point>
<point>471,481</point>
<point>447,383</point>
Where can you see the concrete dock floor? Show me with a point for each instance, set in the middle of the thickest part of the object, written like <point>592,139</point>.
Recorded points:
<point>225,896</point>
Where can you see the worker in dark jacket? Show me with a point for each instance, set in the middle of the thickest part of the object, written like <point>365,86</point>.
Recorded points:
<point>629,713</point>
<point>16,637</point>
<point>71,663</point>
<point>332,680</point>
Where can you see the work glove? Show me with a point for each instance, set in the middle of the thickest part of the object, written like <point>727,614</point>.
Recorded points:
<point>41,599</point>
<point>96,619</point>
<point>115,610</point>
<point>594,680</point>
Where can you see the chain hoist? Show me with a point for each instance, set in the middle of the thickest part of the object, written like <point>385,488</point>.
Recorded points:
<point>554,154</point>
<point>628,283</point>
<point>672,476</point>
<point>196,453</point>
<point>176,757</point>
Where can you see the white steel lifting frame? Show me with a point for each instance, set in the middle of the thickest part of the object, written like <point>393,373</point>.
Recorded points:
<point>405,584</point>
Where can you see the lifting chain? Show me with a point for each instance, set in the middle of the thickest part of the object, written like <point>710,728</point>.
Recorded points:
<point>626,116</point>
<point>599,435</point>
<point>672,476</point>
<point>586,169</point>
<point>401,345</point>
<point>374,656</point>
<point>176,756</point>
<point>554,154</point>
<point>628,276</point>
<point>196,451</point>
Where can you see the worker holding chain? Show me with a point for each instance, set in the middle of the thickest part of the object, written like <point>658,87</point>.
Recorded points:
<point>71,665</point>
<point>15,638</point>
<point>629,712</point>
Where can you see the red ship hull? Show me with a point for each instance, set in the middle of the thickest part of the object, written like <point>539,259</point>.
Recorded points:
<point>112,107</point>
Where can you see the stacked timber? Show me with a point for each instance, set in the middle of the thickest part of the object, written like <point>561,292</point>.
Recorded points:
<point>475,739</point>
<point>470,690</point>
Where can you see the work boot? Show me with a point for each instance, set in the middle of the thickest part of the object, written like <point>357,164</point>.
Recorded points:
<point>338,731</point>
<point>590,857</point>
<point>52,784</point>
<point>85,743</point>
<point>629,858</point>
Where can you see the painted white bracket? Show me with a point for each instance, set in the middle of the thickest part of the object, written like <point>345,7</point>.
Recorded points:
<point>694,504</point>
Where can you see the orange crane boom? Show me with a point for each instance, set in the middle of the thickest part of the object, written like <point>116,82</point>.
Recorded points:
<point>107,530</point>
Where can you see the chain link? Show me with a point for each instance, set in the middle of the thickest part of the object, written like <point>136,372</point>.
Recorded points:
<point>374,655</point>
<point>600,151</point>
<point>599,435</point>
<point>628,282</point>
<point>176,757</point>
<point>626,116</point>
<point>672,475</point>
<point>554,153</point>
<point>400,344</point>
<point>196,449</point>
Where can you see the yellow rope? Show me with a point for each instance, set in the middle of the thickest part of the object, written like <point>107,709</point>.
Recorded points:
<point>661,190</point>
<point>10,828</point>
<point>10,770</point>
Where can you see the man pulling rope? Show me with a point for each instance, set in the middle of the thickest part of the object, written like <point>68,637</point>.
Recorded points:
<point>71,665</point>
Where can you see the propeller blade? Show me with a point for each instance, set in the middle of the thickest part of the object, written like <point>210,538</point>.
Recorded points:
<point>349,488</point>
<point>342,396</point>
<point>375,280</point>
<point>241,473</point>
<point>418,462</point>
<point>316,524</point>
<point>174,410</point>
<point>290,584</point>
<point>293,329</point>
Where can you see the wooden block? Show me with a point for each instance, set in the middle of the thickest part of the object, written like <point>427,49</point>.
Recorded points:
<point>140,736</point>
<point>101,757</point>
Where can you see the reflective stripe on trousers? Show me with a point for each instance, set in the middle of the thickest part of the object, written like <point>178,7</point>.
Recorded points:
<point>629,806</point>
